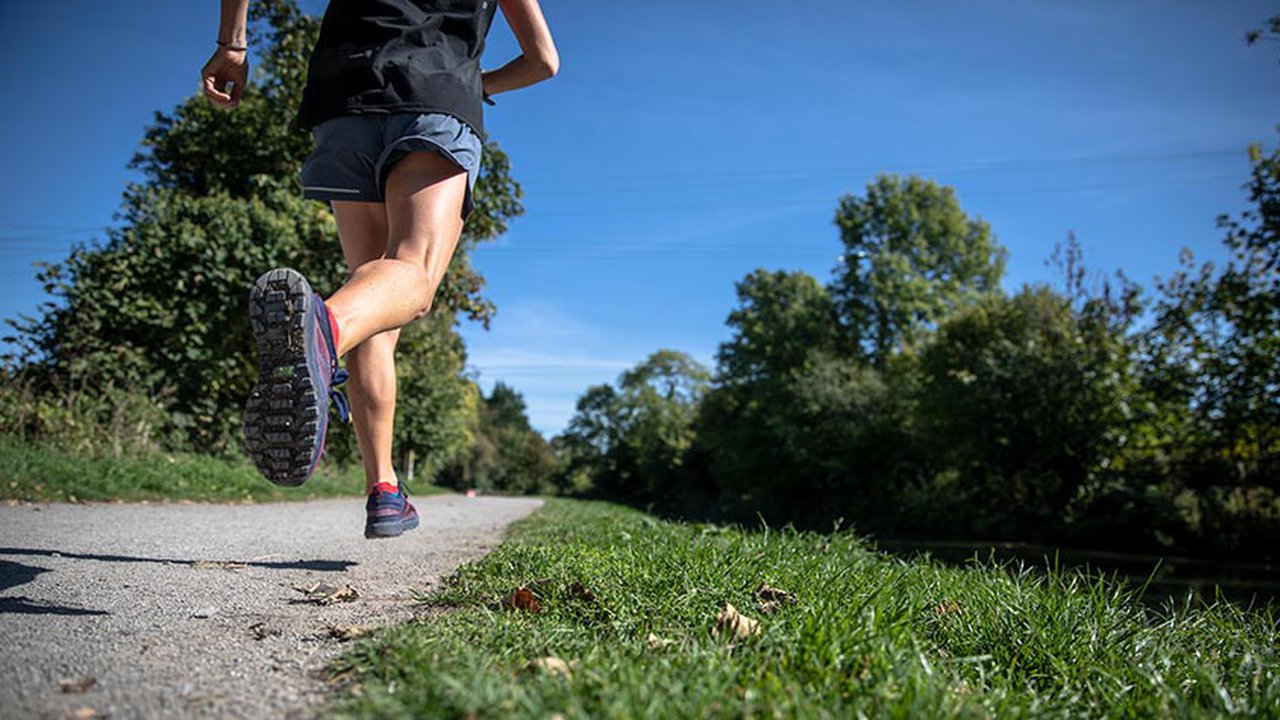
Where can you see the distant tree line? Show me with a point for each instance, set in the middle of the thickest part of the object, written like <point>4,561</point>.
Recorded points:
<point>912,397</point>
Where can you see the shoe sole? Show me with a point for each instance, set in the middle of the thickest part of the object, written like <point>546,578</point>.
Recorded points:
<point>280,416</point>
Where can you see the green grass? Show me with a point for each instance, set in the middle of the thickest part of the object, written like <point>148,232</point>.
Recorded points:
<point>869,635</point>
<point>33,472</point>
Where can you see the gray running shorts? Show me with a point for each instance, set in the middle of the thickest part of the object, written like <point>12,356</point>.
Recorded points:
<point>355,153</point>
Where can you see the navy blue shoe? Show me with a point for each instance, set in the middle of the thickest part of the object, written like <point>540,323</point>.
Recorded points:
<point>287,415</point>
<point>387,514</point>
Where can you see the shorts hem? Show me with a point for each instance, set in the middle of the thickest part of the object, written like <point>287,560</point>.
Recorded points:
<point>326,194</point>
<point>382,169</point>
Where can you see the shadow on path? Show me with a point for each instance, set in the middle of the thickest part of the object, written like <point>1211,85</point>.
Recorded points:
<point>315,565</point>
<point>25,606</point>
<point>13,574</point>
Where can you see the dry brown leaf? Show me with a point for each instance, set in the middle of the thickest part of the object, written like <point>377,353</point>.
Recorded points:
<point>734,624</point>
<point>349,632</point>
<point>315,588</point>
<point>551,665</point>
<point>346,593</point>
<point>653,642</point>
<point>946,607</point>
<point>578,591</point>
<point>767,593</point>
<point>522,598</point>
<point>261,631</point>
<point>326,594</point>
<point>75,687</point>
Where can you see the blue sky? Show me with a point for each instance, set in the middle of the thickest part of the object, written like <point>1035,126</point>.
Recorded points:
<point>685,144</point>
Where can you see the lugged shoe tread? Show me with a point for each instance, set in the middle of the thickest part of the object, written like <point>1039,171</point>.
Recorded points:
<point>280,414</point>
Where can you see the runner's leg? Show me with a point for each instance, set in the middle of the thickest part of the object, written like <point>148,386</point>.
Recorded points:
<point>424,196</point>
<point>362,227</point>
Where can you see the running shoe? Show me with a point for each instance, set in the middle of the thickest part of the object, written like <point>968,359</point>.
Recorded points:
<point>387,514</point>
<point>287,414</point>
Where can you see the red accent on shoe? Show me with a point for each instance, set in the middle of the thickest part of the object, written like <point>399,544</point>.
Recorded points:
<point>386,488</point>
<point>333,330</point>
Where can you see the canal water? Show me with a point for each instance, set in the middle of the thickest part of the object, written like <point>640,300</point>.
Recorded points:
<point>1204,580</point>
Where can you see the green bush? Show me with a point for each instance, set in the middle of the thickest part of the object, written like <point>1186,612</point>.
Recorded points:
<point>96,421</point>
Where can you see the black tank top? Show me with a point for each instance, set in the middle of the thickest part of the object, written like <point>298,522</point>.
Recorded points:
<point>385,56</point>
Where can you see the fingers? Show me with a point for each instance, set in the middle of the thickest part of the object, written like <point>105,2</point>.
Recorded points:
<point>223,84</point>
<point>213,91</point>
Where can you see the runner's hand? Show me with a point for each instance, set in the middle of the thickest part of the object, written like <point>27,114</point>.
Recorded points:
<point>226,66</point>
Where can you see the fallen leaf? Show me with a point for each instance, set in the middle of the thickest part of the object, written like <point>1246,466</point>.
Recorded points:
<point>578,591</point>
<point>734,624</point>
<point>325,594</point>
<point>522,598</point>
<point>946,607</point>
<point>767,593</point>
<point>216,565</point>
<point>75,687</point>
<point>315,588</point>
<point>653,642</point>
<point>349,632</point>
<point>346,593</point>
<point>551,665</point>
<point>261,631</point>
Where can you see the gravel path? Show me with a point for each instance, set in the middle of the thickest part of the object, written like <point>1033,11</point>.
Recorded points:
<point>182,610</point>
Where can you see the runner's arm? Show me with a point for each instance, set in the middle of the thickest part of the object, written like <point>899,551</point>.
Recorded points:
<point>230,62</point>
<point>538,59</point>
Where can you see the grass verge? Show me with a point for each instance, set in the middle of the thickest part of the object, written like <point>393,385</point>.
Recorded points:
<point>36,473</point>
<point>629,603</point>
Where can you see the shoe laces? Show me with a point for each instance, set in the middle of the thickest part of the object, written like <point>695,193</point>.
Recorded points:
<point>339,398</point>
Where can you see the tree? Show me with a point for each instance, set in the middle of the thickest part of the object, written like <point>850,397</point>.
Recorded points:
<point>911,257</point>
<point>507,454</point>
<point>632,441</point>
<point>159,306</point>
<point>756,441</point>
<point>781,319</point>
<point>1024,403</point>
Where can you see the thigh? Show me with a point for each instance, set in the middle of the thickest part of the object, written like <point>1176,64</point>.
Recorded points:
<point>424,198</point>
<point>362,229</point>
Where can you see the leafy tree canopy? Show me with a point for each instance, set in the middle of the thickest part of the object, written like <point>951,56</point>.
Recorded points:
<point>912,255</point>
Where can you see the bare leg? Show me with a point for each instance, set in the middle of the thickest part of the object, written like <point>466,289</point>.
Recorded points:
<point>372,389</point>
<point>424,201</point>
